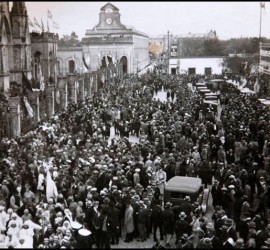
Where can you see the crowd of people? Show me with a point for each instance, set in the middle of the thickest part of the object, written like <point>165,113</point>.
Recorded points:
<point>68,184</point>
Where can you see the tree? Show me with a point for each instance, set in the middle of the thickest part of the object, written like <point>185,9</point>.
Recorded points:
<point>71,40</point>
<point>240,65</point>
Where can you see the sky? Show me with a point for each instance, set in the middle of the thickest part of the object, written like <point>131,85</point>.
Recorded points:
<point>228,19</point>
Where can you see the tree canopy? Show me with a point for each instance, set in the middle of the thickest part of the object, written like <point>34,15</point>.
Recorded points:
<point>71,40</point>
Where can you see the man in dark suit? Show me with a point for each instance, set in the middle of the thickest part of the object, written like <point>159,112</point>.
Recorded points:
<point>37,238</point>
<point>186,206</point>
<point>105,223</point>
<point>181,226</point>
<point>231,230</point>
<point>167,217</point>
<point>103,179</point>
<point>115,226</point>
<point>210,232</point>
<point>157,222</point>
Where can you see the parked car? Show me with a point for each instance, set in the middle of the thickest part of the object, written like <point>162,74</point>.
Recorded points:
<point>178,187</point>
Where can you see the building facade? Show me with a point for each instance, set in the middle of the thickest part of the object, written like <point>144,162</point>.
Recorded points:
<point>110,43</point>
<point>196,65</point>
<point>69,60</point>
<point>264,65</point>
<point>31,86</point>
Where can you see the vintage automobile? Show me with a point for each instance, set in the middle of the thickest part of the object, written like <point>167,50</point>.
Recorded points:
<point>179,187</point>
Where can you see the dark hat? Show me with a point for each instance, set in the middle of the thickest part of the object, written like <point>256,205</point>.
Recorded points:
<point>229,222</point>
<point>196,204</point>
<point>136,197</point>
<point>252,224</point>
<point>207,242</point>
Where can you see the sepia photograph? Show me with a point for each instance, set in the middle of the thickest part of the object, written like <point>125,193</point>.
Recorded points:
<point>134,125</point>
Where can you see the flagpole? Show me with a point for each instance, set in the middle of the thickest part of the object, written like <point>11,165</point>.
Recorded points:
<point>260,21</point>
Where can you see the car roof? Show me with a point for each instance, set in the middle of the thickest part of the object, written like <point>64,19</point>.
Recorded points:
<point>184,184</point>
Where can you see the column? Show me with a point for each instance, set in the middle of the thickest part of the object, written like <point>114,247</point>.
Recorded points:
<point>81,88</point>
<point>87,85</point>
<point>95,82</point>
<point>62,83</point>
<point>50,100</point>
<point>15,116</point>
<point>73,86</point>
<point>34,101</point>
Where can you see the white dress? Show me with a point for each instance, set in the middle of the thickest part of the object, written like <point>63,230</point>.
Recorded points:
<point>161,181</point>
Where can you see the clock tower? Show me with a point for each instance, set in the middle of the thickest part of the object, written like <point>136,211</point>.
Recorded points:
<point>113,47</point>
<point>109,18</point>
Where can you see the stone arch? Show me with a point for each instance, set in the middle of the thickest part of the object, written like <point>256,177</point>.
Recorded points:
<point>36,64</point>
<point>59,65</point>
<point>124,64</point>
<point>6,26</point>
<point>71,66</point>
<point>51,63</point>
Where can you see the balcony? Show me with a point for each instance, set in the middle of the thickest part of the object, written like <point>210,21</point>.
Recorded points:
<point>107,40</point>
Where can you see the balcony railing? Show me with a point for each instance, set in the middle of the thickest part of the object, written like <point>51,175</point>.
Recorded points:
<point>105,39</point>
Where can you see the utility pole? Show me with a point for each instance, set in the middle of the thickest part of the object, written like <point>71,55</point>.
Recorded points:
<point>262,5</point>
<point>168,52</point>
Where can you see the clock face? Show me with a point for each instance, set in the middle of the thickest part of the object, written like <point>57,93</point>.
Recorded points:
<point>108,20</point>
<point>108,10</point>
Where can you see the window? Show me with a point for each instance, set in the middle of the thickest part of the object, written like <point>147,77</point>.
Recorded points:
<point>191,71</point>
<point>58,67</point>
<point>173,71</point>
<point>71,66</point>
<point>178,195</point>
<point>207,71</point>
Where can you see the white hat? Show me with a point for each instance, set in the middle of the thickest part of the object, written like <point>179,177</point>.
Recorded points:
<point>182,215</point>
<point>137,170</point>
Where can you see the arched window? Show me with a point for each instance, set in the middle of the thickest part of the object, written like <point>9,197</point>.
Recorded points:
<point>51,63</point>
<point>37,65</point>
<point>71,66</point>
<point>58,67</point>
<point>123,61</point>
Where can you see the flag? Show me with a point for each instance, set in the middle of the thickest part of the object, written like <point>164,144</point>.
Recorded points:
<point>26,82</point>
<point>51,189</point>
<point>57,96</point>
<point>262,5</point>
<point>28,107</point>
<point>49,15</point>
<point>55,25</point>
<point>246,64</point>
<point>256,86</point>
<point>42,25</point>
<point>36,23</point>
<point>48,27</point>
<point>30,22</point>
<point>41,83</point>
<point>84,62</point>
